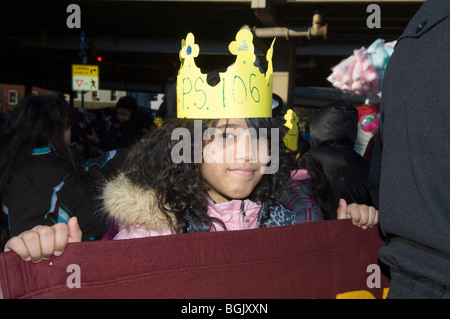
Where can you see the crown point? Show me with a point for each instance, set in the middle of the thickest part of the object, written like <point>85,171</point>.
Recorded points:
<point>189,48</point>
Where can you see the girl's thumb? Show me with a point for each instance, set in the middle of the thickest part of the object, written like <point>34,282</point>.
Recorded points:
<point>342,209</point>
<point>74,230</point>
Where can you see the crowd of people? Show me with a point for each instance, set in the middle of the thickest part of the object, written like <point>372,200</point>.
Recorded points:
<point>55,189</point>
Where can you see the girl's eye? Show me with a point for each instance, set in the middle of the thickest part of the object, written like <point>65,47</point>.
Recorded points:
<point>228,135</point>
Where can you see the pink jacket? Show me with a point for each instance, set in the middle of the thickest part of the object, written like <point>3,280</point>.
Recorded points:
<point>137,215</point>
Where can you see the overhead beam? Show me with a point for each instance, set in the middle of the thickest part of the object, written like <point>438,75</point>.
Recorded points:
<point>342,1</point>
<point>277,1</point>
<point>283,1</point>
<point>263,12</point>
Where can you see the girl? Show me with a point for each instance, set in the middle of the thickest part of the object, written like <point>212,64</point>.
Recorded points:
<point>40,181</point>
<point>154,195</point>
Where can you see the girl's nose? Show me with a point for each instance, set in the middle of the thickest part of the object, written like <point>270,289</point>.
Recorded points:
<point>246,148</point>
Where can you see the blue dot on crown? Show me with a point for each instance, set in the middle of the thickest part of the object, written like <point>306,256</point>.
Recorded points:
<point>189,50</point>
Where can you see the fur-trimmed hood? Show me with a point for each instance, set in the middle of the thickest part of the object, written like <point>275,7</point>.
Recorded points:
<point>129,205</point>
<point>136,211</point>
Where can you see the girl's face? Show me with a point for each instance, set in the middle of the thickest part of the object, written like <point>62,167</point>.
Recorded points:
<point>233,161</point>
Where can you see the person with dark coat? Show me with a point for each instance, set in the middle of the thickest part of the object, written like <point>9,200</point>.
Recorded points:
<point>131,126</point>
<point>41,182</point>
<point>333,132</point>
<point>410,159</point>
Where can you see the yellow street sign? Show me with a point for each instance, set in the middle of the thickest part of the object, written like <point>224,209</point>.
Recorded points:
<point>84,70</point>
<point>85,77</point>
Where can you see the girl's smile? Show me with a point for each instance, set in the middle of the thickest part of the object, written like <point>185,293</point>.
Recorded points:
<point>244,171</point>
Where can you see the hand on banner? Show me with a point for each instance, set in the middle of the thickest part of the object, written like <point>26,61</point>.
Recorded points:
<point>43,242</point>
<point>361,215</point>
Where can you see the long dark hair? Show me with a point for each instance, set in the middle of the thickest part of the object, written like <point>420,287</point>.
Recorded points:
<point>37,121</point>
<point>179,187</point>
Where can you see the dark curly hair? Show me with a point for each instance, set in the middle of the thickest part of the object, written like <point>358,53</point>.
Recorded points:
<point>179,187</point>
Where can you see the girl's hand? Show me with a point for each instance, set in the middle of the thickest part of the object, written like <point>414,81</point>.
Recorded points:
<point>361,215</point>
<point>42,242</point>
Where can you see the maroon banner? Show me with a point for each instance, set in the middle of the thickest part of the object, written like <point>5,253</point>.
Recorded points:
<point>327,259</point>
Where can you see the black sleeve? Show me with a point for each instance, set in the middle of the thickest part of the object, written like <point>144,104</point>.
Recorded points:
<point>374,172</point>
<point>26,203</point>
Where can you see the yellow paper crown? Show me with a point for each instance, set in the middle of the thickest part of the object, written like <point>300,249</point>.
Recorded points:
<point>243,91</point>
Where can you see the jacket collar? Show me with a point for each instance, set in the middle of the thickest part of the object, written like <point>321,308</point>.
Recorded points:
<point>43,150</point>
<point>130,205</point>
<point>430,14</point>
<point>236,214</point>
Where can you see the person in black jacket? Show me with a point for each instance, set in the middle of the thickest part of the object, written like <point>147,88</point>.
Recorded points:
<point>411,157</point>
<point>40,181</point>
<point>131,126</point>
<point>333,132</point>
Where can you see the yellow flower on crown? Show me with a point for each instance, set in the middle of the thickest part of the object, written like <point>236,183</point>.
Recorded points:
<point>243,91</point>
